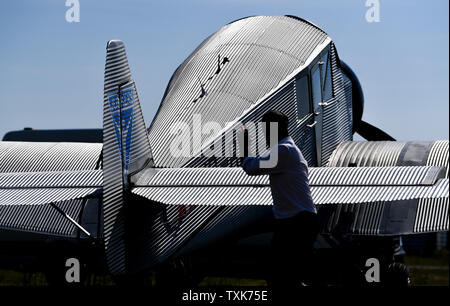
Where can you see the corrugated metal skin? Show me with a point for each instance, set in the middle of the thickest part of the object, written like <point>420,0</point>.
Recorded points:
<point>325,176</point>
<point>41,173</point>
<point>346,195</point>
<point>366,154</point>
<point>337,115</point>
<point>439,155</point>
<point>368,216</point>
<point>37,196</point>
<point>253,71</point>
<point>199,176</point>
<point>42,219</point>
<point>283,100</point>
<point>177,105</point>
<point>165,242</point>
<point>348,95</point>
<point>372,176</point>
<point>228,195</point>
<point>365,218</point>
<point>162,243</point>
<point>26,195</point>
<point>335,131</point>
<point>340,185</point>
<point>231,221</point>
<point>432,214</point>
<point>171,230</point>
<point>126,149</point>
<point>55,179</point>
<point>117,72</point>
<point>41,157</point>
<point>214,196</point>
<point>262,52</point>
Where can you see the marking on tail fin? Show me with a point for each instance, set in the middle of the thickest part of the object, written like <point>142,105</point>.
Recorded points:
<point>122,113</point>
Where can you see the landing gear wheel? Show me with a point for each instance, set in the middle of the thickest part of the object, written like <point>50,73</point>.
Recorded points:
<point>397,275</point>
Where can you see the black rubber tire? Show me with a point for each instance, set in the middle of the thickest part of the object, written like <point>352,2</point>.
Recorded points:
<point>397,275</point>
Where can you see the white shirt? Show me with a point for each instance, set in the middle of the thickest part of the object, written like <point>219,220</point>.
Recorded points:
<point>288,177</point>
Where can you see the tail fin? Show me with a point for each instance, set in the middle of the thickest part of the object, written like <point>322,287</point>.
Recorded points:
<point>122,114</point>
<point>126,148</point>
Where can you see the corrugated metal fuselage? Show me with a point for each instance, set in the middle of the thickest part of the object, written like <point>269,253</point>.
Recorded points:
<point>256,53</point>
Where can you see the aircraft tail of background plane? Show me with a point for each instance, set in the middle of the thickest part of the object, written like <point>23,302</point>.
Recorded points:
<point>126,148</point>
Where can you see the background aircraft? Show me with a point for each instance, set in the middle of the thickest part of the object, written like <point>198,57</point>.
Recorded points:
<point>130,206</point>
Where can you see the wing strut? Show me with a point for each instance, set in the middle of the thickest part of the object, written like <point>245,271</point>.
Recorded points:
<point>71,220</point>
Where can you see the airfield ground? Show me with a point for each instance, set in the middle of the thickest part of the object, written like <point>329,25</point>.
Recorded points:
<point>424,271</point>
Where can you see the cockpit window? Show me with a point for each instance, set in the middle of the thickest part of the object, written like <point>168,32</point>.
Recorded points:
<point>302,93</point>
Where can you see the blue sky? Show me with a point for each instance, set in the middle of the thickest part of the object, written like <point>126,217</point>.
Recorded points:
<point>51,71</point>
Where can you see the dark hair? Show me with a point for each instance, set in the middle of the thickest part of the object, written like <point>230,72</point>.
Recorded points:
<point>281,119</point>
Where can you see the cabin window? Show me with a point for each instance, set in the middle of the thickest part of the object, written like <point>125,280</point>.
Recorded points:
<point>327,92</point>
<point>302,93</point>
<point>316,86</point>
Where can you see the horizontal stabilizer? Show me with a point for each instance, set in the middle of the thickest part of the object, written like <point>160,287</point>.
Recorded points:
<point>18,217</point>
<point>46,202</point>
<point>51,179</point>
<point>41,196</point>
<point>38,188</point>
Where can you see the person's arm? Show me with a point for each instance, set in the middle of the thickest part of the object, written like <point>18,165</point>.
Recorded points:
<point>263,165</point>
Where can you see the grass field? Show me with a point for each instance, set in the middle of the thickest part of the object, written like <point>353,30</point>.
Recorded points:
<point>429,271</point>
<point>424,271</point>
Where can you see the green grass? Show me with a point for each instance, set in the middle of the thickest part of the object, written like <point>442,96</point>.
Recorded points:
<point>15,278</point>
<point>429,271</point>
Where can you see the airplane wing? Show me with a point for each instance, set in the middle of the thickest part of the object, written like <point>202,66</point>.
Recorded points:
<point>396,189</point>
<point>45,202</point>
<point>334,185</point>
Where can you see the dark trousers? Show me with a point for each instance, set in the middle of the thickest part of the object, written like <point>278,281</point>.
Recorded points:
<point>292,249</point>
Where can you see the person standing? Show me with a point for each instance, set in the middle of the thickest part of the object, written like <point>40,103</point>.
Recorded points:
<point>295,226</point>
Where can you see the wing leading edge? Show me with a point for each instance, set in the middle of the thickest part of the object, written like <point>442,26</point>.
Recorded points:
<point>231,186</point>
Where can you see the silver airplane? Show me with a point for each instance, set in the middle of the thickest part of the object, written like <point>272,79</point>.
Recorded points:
<point>172,199</point>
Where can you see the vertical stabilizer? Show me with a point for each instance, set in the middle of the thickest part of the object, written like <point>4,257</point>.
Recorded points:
<point>126,149</point>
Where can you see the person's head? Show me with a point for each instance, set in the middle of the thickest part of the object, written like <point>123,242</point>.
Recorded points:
<point>282,121</point>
